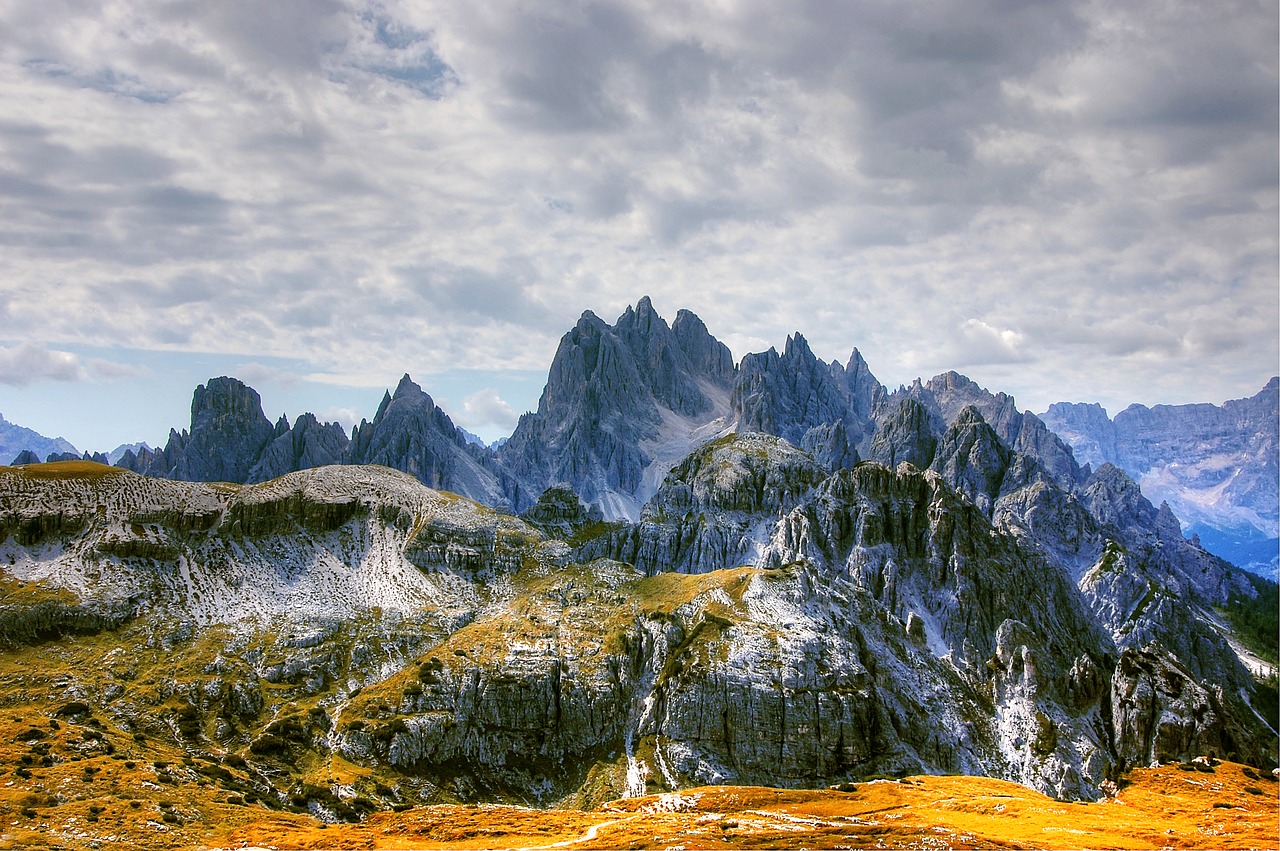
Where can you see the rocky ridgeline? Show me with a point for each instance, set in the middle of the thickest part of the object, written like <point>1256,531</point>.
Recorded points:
<point>1215,465</point>
<point>767,620</point>
<point>779,573</point>
<point>330,542</point>
<point>231,440</point>
<point>615,395</point>
<point>625,403</point>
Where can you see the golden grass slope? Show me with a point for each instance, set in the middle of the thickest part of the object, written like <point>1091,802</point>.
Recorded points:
<point>1160,808</point>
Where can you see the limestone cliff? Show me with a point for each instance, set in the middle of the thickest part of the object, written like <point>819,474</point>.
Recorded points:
<point>782,624</point>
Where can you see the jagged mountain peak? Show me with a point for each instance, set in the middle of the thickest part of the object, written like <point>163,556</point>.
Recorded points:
<point>643,315</point>
<point>707,355</point>
<point>407,397</point>
<point>792,394</point>
<point>622,403</point>
<point>412,433</point>
<point>407,387</point>
<point>797,346</point>
<point>905,434</point>
<point>971,457</point>
<point>225,394</point>
<point>969,417</point>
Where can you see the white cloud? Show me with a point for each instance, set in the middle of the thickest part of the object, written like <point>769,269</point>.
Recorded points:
<point>366,188</point>
<point>255,374</point>
<point>980,343</point>
<point>486,408</point>
<point>31,364</point>
<point>346,417</point>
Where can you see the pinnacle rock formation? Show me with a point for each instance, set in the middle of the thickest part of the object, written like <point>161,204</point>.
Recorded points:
<point>622,403</point>
<point>410,432</point>
<point>228,432</point>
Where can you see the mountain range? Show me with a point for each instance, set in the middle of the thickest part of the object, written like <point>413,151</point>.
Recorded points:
<point>676,572</point>
<point>1216,466</point>
<point>625,402</point>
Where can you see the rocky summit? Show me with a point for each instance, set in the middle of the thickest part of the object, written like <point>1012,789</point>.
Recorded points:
<point>779,574</point>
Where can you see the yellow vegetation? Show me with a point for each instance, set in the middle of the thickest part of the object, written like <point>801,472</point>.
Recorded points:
<point>1160,808</point>
<point>65,470</point>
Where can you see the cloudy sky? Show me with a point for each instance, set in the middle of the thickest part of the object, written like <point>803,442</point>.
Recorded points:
<point>1063,200</point>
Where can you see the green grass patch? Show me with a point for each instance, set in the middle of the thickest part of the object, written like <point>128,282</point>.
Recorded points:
<point>1256,622</point>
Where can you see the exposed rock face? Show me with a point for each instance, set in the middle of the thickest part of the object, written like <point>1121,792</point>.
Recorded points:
<point>411,433</point>
<point>309,443</point>
<point>622,403</point>
<point>945,397</point>
<point>26,456</point>
<point>560,513</point>
<point>706,355</point>
<point>823,625</point>
<point>867,396</point>
<point>796,396</point>
<point>228,433</point>
<point>1216,466</point>
<point>904,435</point>
<point>972,459</point>
<point>714,509</point>
<point>1162,713</point>
<point>327,542</point>
<point>1086,426</point>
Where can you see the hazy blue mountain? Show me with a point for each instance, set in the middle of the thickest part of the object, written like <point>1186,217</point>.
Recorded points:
<point>15,438</point>
<point>116,454</point>
<point>1215,465</point>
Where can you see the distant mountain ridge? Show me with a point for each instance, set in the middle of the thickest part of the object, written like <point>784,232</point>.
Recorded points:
<point>623,404</point>
<point>1216,465</point>
<point>15,439</point>
<point>231,440</point>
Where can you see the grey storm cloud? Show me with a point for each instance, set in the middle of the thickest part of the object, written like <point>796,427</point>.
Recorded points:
<point>1071,189</point>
